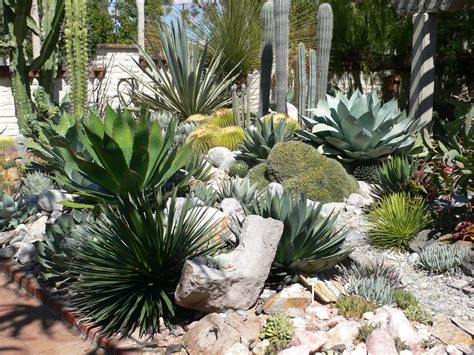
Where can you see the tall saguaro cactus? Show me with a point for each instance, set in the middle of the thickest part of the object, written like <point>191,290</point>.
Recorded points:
<point>281,9</point>
<point>141,22</point>
<point>266,58</point>
<point>77,52</point>
<point>323,49</point>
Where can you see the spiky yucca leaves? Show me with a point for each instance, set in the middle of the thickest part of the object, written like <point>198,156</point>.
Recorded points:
<point>238,188</point>
<point>188,84</point>
<point>396,219</point>
<point>129,262</point>
<point>309,242</point>
<point>359,127</point>
<point>216,130</point>
<point>441,257</point>
<point>259,141</point>
<point>394,176</point>
<point>199,167</point>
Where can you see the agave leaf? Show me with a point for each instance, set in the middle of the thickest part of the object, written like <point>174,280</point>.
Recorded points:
<point>321,127</point>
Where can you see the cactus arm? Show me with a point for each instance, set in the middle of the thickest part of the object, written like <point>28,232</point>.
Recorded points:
<point>247,113</point>
<point>312,80</point>
<point>324,38</point>
<point>266,58</point>
<point>280,12</point>
<point>301,79</point>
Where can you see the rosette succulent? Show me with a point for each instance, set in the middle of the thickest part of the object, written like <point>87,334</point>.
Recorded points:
<point>359,127</point>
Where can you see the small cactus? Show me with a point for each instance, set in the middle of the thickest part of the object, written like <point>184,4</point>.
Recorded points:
<point>239,169</point>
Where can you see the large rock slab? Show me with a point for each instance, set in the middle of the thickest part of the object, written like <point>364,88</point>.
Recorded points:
<point>448,333</point>
<point>380,342</point>
<point>218,333</point>
<point>240,280</point>
<point>221,157</point>
<point>343,333</point>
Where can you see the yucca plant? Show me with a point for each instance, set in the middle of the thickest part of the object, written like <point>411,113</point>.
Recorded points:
<point>129,262</point>
<point>187,84</point>
<point>396,219</point>
<point>359,127</point>
<point>120,154</point>
<point>394,176</point>
<point>260,140</point>
<point>310,243</point>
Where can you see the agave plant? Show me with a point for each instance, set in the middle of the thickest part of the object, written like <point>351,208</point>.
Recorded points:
<point>260,140</point>
<point>187,84</point>
<point>359,127</point>
<point>309,242</point>
<point>120,155</point>
<point>394,176</point>
<point>128,262</point>
<point>239,188</point>
<point>13,211</point>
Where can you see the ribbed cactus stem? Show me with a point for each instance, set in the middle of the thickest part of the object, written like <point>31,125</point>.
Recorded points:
<point>266,58</point>
<point>249,103</point>
<point>312,80</point>
<point>281,9</point>
<point>302,89</point>
<point>323,49</point>
<point>235,105</point>
<point>245,108</point>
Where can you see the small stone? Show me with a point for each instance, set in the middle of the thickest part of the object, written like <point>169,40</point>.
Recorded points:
<point>413,258</point>
<point>452,350</point>
<point>332,322</point>
<point>400,327</point>
<point>299,323</point>
<point>49,200</point>
<point>331,208</point>
<point>447,332</point>
<point>360,349</point>
<point>459,284</point>
<point>218,156</point>
<point>8,252</point>
<point>406,352</point>
<point>368,315</point>
<point>315,340</point>
<point>275,188</point>
<point>421,241</point>
<point>292,301</point>
<point>237,349</point>
<point>380,342</point>
<point>174,349</point>
<point>325,290</point>
<point>365,190</point>
<point>379,320</point>
<point>468,290</point>
<point>343,333</point>
<point>232,207</point>
<point>320,312</point>
<point>296,350</point>
<point>36,230</point>
<point>354,236</point>
<point>261,347</point>
<point>355,200</point>
<point>26,253</point>
<point>227,163</point>
<point>437,350</point>
<point>464,324</point>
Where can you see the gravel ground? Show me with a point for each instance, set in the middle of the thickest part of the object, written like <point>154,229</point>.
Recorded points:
<point>435,292</point>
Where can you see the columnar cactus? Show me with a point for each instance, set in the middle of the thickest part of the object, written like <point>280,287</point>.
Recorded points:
<point>302,86</point>
<point>266,58</point>
<point>281,9</point>
<point>312,80</point>
<point>323,49</point>
<point>77,52</point>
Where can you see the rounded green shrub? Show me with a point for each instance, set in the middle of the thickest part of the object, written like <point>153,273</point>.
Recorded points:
<point>239,169</point>
<point>419,314</point>
<point>404,299</point>
<point>258,176</point>
<point>300,168</point>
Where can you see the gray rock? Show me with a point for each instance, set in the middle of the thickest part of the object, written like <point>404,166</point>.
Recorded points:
<point>26,253</point>
<point>315,340</point>
<point>365,190</point>
<point>218,155</point>
<point>217,333</point>
<point>275,188</point>
<point>354,236</point>
<point>296,350</point>
<point>424,239</point>
<point>238,349</point>
<point>413,258</point>
<point>8,252</point>
<point>232,207</point>
<point>400,327</point>
<point>356,200</point>
<point>36,230</point>
<point>344,333</point>
<point>13,236</point>
<point>333,207</point>
<point>227,163</point>
<point>380,342</point>
<point>48,200</point>
<point>465,324</point>
<point>239,283</point>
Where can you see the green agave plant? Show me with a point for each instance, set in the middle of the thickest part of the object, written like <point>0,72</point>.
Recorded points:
<point>359,127</point>
<point>13,210</point>
<point>260,140</point>
<point>239,188</point>
<point>120,154</point>
<point>394,176</point>
<point>396,219</point>
<point>309,242</point>
<point>128,263</point>
<point>188,84</point>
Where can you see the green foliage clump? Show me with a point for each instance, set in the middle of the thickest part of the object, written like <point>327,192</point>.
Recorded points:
<point>364,331</point>
<point>352,306</point>
<point>418,313</point>
<point>129,262</point>
<point>278,330</point>
<point>309,242</point>
<point>400,345</point>
<point>300,168</point>
<point>368,172</point>
<point>36,183</point>
<point>239,169</point>
<point>396,219</point>
<point>258,176</point>
<point>441,257</point>
<point>404,299</point>
<point>240,189</point>
<point>260,140</point>
<point>394,176</point>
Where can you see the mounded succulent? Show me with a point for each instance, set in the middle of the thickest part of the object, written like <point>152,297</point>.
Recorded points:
<point>364,331</point>
<point>441,257</point>
<point>368,172</point>
<point>404,299</point>
<point>377,269</point>
<point>352,306</point>
<point>259,140</point>
<point>278,330</point>
<point>258,176</point>
<point>359,127</point>
<point>36,183</point>
<point>300,168</point>
<point>396,220</point>
<point>309,242</point>
<point>239,188</point>
<point>418,313</point>
<point>239,169</point>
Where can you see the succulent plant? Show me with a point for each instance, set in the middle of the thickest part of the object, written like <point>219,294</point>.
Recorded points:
<point>418,313</point>
<point>204,193</point>
<point>367,172</point>
<point>375,289</point>
<point>359,127</point>
<point>238,188</point>
<point>404,299</point>
<point>278,330</point>
<point>441,257</point>
<point>258,176</point>
<point>352,306</point>
<point>364,331</point>
<point>259,141</point>
<point>36,183</point>
<point>239,169</point>
<point>377,269</point>
<point>394,176</point>
<point>13,211</point>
